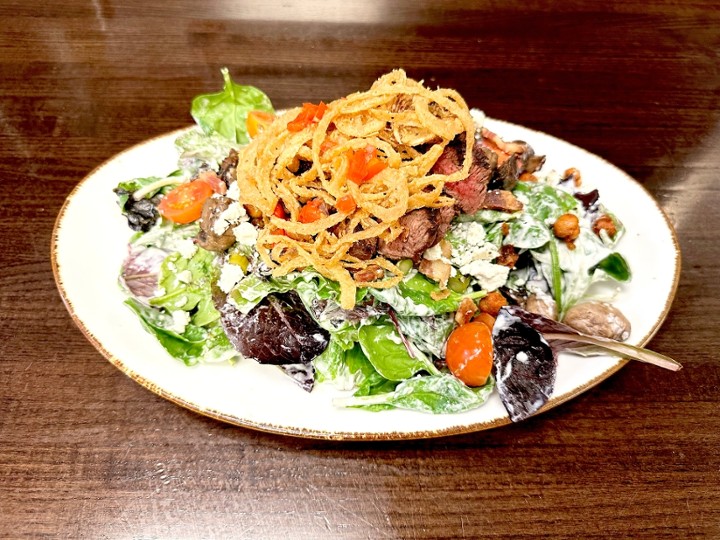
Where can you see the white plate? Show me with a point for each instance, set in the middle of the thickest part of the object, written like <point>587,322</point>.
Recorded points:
<point>89,244</point>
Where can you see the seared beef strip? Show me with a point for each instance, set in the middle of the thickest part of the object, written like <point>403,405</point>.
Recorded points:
<point>228,168</point>
<point>504,201</point>
<point>207,238</point>
<point>362,249</point>
<point>422,229</point>
<point>469,192</point>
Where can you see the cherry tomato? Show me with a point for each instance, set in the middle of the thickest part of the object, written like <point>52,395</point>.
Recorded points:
<point>470,353</point>
<point>346,204</point>
<point>214,180</point>
<point>184,203</point>
<point>311,211</point>
<point>257,121</point>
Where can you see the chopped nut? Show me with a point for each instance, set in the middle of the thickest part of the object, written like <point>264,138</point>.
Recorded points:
<point>253,211</point>
<point>436,270</point>
<point>605,223</point>
<point>485,318</point>
<point>492,303</point>
<point>573,174</point>
<point>505,229</point>
<point>372,273</point>
<point>440,295</point>
<point>527,177</point>
<point>465,312</point>
<point>508,256</point>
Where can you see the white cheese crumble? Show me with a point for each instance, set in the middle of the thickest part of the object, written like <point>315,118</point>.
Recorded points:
<point>180,321</point>
<point>471,245</point>
<point>232,215</point>
<point>488,275</point>
<point>230,275</point>
<point>234,191</point>
<point>186,247</point>
<point>478,117</point>
<point>246,234</point>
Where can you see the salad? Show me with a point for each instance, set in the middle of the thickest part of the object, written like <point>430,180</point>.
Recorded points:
<point>386,243</point>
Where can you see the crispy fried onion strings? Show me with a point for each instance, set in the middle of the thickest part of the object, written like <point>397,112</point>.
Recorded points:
<point>408,124</point>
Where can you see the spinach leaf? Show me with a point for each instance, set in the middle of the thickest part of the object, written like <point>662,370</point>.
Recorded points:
<point>367,379</point>
<point>225,113</point>
<point>429,334</point>
<point>487,216</point>
<point>545,202</point>
<point>527,232</point>
<point>437,394</point>
<point>330,365</point>
<point>384,349</point>
<point>413,297</point>
<point>615,266</point>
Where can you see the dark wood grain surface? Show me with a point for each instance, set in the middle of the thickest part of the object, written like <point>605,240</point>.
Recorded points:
<point>87,453</point>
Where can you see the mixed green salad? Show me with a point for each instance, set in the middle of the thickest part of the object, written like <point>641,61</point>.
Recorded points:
<point>516,265</point>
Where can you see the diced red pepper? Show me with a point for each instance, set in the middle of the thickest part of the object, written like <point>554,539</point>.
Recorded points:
<point>279,211</point>
<point>346,204</point>
<point>310,113</point>
<point>312,211</point>
<point>364,164</point>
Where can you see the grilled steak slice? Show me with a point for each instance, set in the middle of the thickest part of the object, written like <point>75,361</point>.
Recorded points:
<point>504,201</point>
<point>228,168</point>
<point>362,249</point>
<point>207,238</point>
<point>422,229</point>
<point>470,192</point>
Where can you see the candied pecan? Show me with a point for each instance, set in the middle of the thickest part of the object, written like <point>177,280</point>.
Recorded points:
<point>372,273</point>
<point>492,303</point>
<point>508,256</point>
<point>465,312</point>
<point>605,223</point>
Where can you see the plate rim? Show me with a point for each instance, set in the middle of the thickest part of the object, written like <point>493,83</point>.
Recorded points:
<point>307,433</point>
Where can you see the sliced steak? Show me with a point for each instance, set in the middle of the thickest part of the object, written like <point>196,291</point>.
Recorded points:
<point>444,215</point>
<point>504,201</point>
<point>469,192</point>
<point>362,249</point>
<point>228,168</point>
<point>207,238</point>
<point>422,229</point>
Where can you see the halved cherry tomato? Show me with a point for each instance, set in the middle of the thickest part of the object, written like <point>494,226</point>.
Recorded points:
<point>217,185</point>
<point>310,113</point>
<point>184,203</point>
<point>257,121</point>
<point>312,211</point>
<point>364,164</point>
<point>470,353</point>
<point>346,204</point>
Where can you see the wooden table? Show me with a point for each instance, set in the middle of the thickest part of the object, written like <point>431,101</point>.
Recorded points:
<point>87,453</point>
